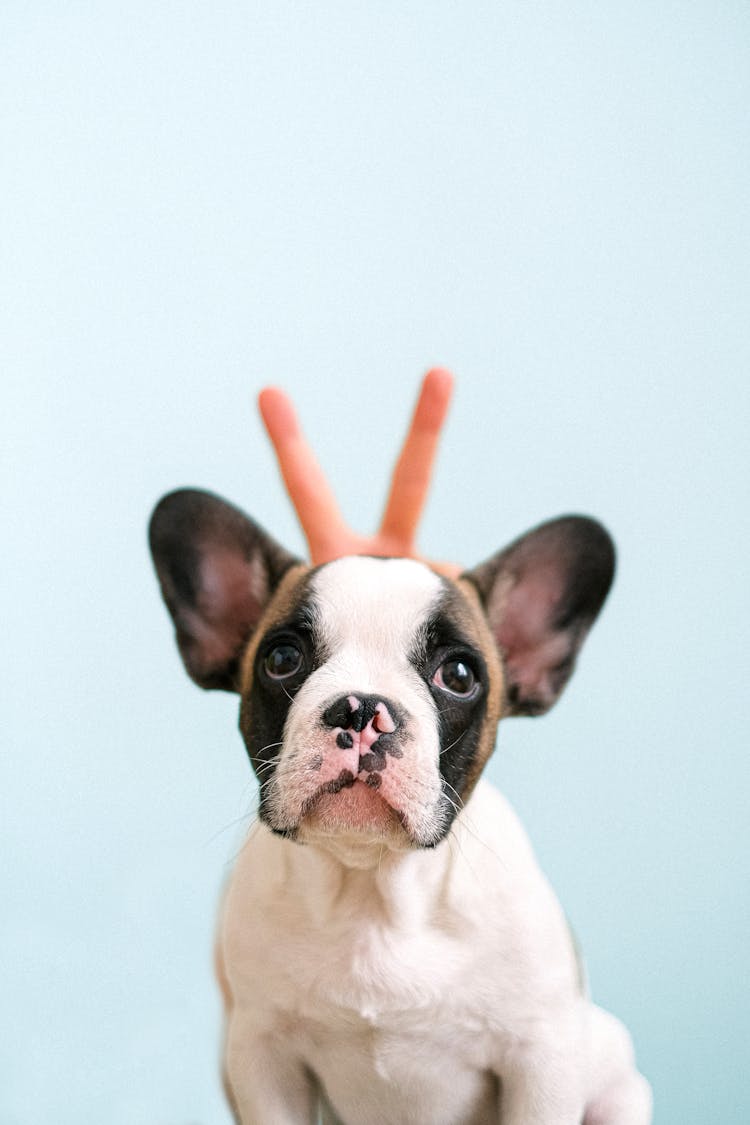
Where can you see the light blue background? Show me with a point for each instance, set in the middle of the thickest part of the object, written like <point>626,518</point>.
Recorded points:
<point>199,199</point>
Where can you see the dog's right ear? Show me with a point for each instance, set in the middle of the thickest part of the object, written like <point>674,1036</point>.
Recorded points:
<point>217,571</point>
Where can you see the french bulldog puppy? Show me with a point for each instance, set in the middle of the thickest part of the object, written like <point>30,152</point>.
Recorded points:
<point>388,950</point>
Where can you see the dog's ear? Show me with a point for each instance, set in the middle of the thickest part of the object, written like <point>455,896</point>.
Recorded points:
<point>541,596</point>
<point>217,570</point>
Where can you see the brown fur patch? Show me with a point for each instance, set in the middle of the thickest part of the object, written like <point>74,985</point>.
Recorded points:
<point>278,608</point>
<point>474,621</point>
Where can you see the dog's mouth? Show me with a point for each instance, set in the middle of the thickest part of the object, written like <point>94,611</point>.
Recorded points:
<point>350,804</point>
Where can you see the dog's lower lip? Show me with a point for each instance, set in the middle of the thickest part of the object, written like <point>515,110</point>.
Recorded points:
<point>343,783</point>
<point>350,804</point>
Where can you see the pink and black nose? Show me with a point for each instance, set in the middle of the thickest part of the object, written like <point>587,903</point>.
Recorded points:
<point>368,723</point>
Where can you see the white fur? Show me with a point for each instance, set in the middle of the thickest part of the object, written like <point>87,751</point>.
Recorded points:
<point>405,986</point>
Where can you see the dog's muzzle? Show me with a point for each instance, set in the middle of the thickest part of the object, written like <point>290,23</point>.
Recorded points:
<point>369,726</point>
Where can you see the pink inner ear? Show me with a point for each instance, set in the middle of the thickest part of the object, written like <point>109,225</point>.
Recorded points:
<point>530,645</point>
<point>229,606</point>
<point>529,669</point>
<point>529,609</point>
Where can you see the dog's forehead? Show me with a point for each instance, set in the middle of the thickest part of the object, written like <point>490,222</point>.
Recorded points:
<point>379,601</point>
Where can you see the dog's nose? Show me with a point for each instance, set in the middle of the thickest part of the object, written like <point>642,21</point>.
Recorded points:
<point>368,731</point>
<point>355,712</point>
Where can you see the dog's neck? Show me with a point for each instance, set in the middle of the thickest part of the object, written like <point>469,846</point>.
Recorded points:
<point>369,875</point>
<point>356,851</point>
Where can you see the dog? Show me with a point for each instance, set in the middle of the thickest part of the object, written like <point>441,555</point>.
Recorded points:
<point>388,950</point>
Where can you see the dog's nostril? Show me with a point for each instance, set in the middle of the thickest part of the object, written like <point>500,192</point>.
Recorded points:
<point>382,720</point>
<point>360,716</point>
<point>340,714</point>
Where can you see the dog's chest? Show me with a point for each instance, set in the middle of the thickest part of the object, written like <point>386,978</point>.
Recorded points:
<point>324,944</point>
<point>415,993</point>
<point>375,1006</point>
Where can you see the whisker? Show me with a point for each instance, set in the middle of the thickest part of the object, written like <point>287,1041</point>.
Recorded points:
<point>232,824</point>
<point>264,767</point>
<point>454,743</point>
<point>459,798</point>
<point>269,746</point>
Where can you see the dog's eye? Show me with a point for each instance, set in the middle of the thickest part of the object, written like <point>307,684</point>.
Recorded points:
<point>283,660</point>
<point>457,677</point>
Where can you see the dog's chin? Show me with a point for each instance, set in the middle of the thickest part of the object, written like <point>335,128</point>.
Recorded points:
<point>354,823</point>
<point>356,810</point>
<point>354,817</point>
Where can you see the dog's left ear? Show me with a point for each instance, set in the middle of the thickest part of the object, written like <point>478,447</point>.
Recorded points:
<point>218,571</point>
<point>541,596</point>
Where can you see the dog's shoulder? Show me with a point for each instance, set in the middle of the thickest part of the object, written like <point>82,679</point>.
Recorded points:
<point>490,829</point>
<point>502,889</point>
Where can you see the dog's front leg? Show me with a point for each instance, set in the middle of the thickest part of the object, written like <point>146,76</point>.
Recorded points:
<point>266,1085</point>
<point>540,1088</point>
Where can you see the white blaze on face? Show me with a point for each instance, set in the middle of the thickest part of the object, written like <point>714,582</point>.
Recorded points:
<point>367,616</point>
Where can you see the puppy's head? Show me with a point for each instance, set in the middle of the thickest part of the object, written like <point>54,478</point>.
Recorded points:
<point>371,688</point>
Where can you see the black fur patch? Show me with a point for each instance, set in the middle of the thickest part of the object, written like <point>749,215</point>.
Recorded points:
<point>264,709</point>
<point>460,720</point>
